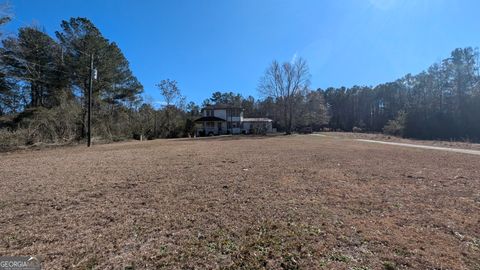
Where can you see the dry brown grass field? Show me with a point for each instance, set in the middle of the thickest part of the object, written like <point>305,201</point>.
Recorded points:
<point>284,202</point>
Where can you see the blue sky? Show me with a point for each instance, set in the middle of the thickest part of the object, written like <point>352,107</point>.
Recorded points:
<point>225,45</point>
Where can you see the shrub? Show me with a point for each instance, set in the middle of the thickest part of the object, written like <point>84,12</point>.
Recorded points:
<point>56,125</point>
<point>396,127</point>
<point>12,138</point>
<point>357,129</point>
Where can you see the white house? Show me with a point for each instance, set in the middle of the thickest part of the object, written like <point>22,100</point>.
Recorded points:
<point>225,119</point>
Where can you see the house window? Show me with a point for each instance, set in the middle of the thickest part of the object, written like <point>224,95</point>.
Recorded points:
<point>209,112</point>
<point>236,112</point>
<point>233,112</point>
<point>210,124</point>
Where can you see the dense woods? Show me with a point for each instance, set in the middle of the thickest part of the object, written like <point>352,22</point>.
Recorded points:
<point>44,83</point>
<point>442,102</point>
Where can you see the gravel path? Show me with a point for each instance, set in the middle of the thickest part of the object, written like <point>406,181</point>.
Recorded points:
<point>456,150</point>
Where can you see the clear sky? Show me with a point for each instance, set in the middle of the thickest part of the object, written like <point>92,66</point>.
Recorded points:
<point>225,45</point>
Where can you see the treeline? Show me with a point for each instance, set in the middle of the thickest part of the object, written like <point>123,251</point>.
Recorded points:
<point>44,82</point>
<point>442,102</point>
<point>44,85</point>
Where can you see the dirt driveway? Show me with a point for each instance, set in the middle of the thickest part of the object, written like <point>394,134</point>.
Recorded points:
<point>305,202</point>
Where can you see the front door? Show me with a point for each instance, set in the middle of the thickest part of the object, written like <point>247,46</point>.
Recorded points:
<point>219,127</point>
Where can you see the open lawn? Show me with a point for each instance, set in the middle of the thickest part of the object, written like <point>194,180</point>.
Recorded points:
<point>307,202</point>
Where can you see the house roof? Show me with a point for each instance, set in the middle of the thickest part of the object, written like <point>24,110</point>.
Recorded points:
<point>209,119</point>
<point>221,106</point>
<point>257,120</point>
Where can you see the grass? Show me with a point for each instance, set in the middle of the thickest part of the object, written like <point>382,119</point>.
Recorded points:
<point>338,257</point>
<point>266,244</point>
<point>287,202</point>
<point>389,266</point>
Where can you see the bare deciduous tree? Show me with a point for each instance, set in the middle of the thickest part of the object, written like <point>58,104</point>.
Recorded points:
<point>172,98</point>
<point>283,82</point>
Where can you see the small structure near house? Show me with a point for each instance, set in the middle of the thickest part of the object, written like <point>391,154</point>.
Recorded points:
<point>257,125</point>
<point>225,119</point>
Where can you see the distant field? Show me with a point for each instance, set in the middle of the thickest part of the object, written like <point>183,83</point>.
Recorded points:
<point>307,202</point>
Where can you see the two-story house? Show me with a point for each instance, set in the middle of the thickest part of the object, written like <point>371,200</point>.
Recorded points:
<point>226,119</point>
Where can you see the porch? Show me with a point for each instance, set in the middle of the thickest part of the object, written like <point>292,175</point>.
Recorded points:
<point>210,125</point>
